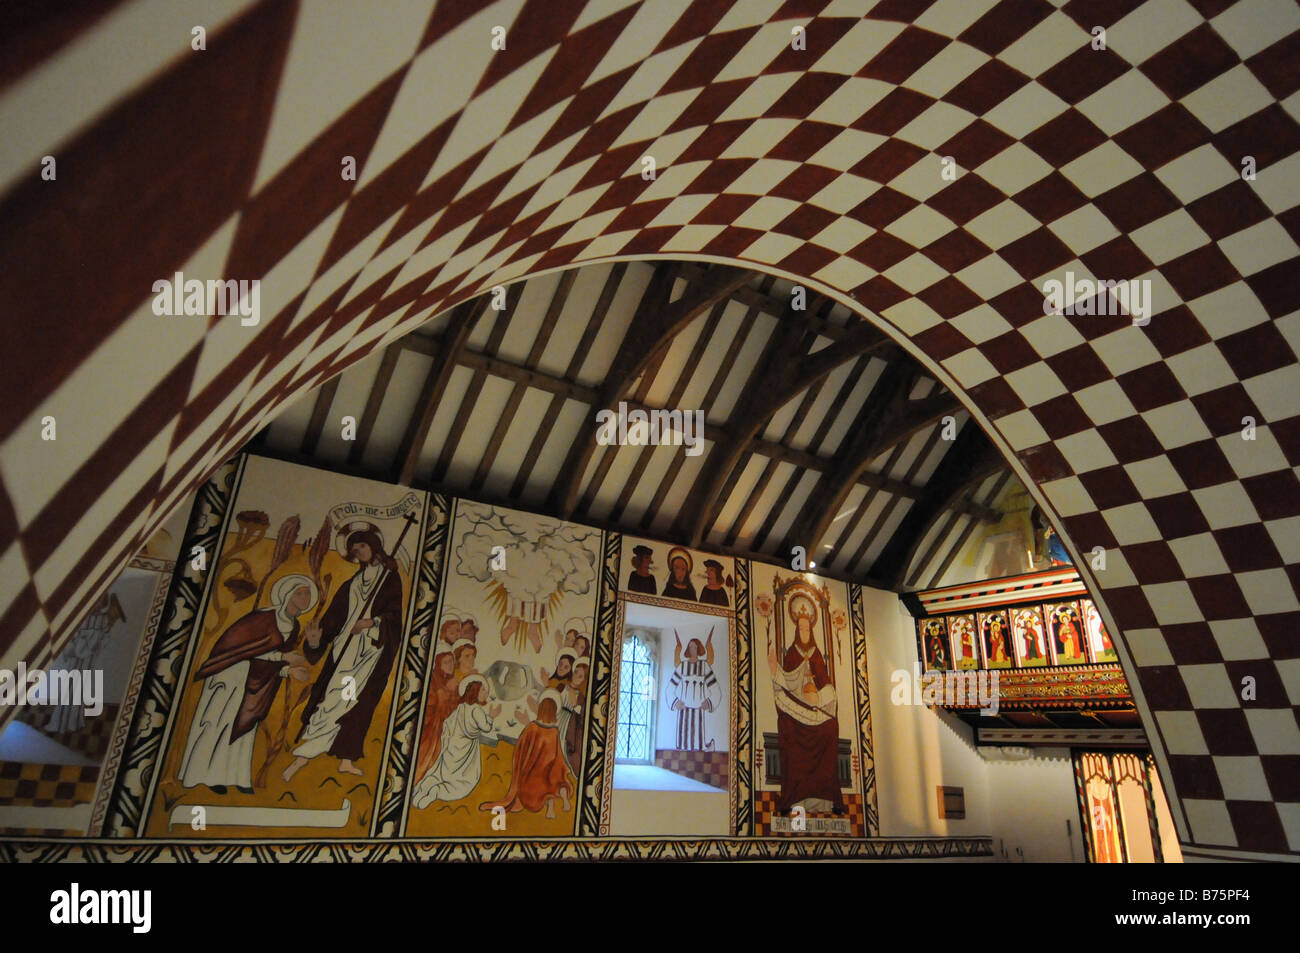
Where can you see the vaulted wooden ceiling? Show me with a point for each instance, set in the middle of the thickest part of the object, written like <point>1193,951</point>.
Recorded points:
<point>819,430</point>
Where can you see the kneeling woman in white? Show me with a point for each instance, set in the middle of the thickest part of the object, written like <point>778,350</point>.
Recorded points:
<point>457,771</point>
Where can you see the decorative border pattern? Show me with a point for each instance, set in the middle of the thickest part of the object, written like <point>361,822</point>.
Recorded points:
<point>126,715</point>
<point>153,564</point>
<point>608,715</point>
<point>742,712</point>
<point>857,615</point>
<point>571,849</point>
<point>408,708</point>
<point>1030,587</point>
<point>595,786</point>
<point>157,693</point>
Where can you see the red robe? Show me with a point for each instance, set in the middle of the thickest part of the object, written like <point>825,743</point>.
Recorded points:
<point>442,702</point>
<point>539,771</point>
<point>809,753</point>
<point>253,635</point>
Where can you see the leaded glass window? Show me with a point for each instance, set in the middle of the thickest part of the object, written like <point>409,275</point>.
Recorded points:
<point>636,697</point>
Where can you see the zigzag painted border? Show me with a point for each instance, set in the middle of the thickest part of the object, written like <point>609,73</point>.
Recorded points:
<point>594,775</point>
<point>742,711</point>
<point>863,690</point>
<point>408,706</point>
<point>122,730</point>
<point>572,849</point>
<point>157,690</point>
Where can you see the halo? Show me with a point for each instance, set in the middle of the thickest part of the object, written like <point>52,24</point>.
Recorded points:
<point>797,601</point>
<point>460,642</point>
<point>581,660</point>
<point>469,680</point>
<point>554,696</point>
<point>566,653</point>
<point>580,625</point>
<point>342,533</point>
<point>685,554</point>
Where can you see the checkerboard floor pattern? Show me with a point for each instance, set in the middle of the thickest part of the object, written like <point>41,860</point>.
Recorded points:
<point>765,807</point>
<point>708,767</point>
<point>93,738</point>
<point>47,785</point>
<point>476,167</point>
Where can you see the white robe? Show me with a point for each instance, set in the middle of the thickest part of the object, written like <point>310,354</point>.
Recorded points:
<point>357,657</point>
<point>457,771</point>
<point>209,757</point>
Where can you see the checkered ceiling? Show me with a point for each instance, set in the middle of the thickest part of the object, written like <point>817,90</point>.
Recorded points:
<point>479,166</point>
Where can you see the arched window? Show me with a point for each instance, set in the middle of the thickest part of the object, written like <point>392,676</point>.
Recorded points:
<point>638,681</point>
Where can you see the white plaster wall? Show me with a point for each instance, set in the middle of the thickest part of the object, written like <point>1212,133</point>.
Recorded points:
<point>916,748</point>
<point>1032,802</point>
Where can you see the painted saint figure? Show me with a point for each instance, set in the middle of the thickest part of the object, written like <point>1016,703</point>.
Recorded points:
<point>241,678</point>
<point>995,635</point>
<point>572,720</point>
<point>695,692</point>
<point>540,775</point>
<point>1069,641</point>
<point>678,585</point>
<point>459,767</point>
<point>713,591</point>
<point>639,579</point>
<point>361,631</point>
<point>442,702</point>
<point>806,721</point>
<point>935,654</point>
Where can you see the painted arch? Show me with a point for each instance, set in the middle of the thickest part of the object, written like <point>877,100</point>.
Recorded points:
<point>479,166</point>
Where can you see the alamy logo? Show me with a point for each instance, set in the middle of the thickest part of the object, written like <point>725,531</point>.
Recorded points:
<point>639,428</point>
<point>1088,297</point>
<point>67,688</point>
<point>74,906</point>
<point>966,689</point>
<point>180,296</point>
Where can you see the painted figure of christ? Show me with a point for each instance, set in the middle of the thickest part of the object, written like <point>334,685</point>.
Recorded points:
<point>806,723</point>
<point>361,631</point>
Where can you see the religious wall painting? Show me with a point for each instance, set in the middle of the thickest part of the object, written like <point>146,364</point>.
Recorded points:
<point>996,639</point>
<point>1066,626</point>
<point>1029,637</point>
<point>1100,645</point>
<point>934,639</point>
<point>505,710</point>
<point>674,572</point>
<point>285,697</point>
<point>56,753</point>
<point>964,639</point>
<point>676,705</point>
<point>808,748</point>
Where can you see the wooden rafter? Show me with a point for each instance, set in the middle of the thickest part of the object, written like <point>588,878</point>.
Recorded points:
<point>656,323</point>
<point>775,382</point>
<point>319,413</point>
<point>579,356</point>
<point>646,454</point>
<point>462,320</point>
<point>501,321</point>
<point>507,417</point>
<point>968,531</point>
<point>971,459</point>
<point>887,418</point>
<point>374,401</point>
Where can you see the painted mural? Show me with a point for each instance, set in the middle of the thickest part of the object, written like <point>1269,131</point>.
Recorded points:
<point>350,661</point>
<point>286,691</point>
<point>506,706</point>
<point>54,757</point>
<point>674,572</point>
<point>808,748</point>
